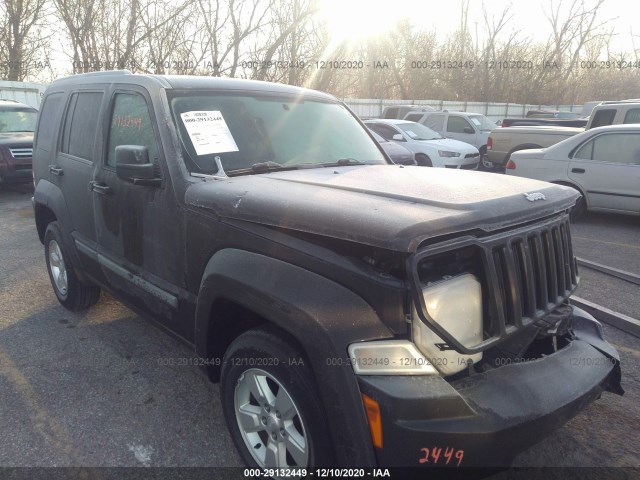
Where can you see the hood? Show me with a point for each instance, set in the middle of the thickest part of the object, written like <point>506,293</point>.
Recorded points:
<point>451,144</point>
<point>391,207</point>
<point>17,139</point>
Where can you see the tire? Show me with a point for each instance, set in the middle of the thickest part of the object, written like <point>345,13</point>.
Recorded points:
<point>423,160</point>
<point>259,378</point>
<point>71,293</point>
<point>578,209</point>
<point>483,159</point>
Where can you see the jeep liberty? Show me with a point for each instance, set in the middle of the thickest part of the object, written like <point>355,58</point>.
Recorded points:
<point>356,313</point>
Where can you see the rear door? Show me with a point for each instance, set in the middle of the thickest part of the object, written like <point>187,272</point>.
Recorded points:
<point>607,167</point>
<point>72,171</point>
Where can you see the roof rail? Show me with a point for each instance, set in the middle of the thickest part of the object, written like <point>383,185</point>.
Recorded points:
<point>106,72</point>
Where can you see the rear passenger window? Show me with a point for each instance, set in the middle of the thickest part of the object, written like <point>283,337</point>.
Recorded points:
<point>131,125</point>
<point>48,123</point>
<point>80,124</point>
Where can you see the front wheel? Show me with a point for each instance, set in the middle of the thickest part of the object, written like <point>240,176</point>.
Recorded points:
<point>423,160</point>
<point>271,403</point>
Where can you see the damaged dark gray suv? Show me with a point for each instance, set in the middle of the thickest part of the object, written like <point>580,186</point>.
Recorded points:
<point>357,313</point>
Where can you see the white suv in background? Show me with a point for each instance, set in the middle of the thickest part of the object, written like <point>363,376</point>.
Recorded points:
<point>431,149</point>
<point>472,128</point>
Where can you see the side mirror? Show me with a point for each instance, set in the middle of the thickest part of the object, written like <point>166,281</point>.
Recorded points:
<point>469,130</point>
<point>133,166</point>
<point>398,137</point>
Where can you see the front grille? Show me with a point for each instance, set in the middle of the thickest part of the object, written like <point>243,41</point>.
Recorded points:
<point>472,155</point>
<point>451,166</point>
<point>525,273</point>
<point>470,166</point>
<point>20,153</point>
<point>536,272</point>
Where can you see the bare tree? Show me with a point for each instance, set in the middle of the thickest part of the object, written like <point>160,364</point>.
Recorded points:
<point>20,34</point>
<point>228,25</point>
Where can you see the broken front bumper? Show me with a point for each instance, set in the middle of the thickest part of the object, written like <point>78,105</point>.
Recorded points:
<point>488,418</point>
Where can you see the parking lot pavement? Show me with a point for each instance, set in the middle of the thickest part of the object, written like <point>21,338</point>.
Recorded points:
<point>91,389</point>
<point>612,240</point>
<point>94,388</point>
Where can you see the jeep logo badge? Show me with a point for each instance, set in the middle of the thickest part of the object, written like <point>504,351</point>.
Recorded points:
<point>532,197</point>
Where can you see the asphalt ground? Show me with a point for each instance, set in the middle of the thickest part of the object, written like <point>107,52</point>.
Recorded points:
<point>101,388</point>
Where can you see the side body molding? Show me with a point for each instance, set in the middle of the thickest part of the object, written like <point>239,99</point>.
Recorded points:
<point>322,315</point>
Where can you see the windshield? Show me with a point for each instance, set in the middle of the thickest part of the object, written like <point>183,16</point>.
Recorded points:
<point>272,132</point>
<point>417,131</point>
<point>482,122</point>
<point>18,120</point>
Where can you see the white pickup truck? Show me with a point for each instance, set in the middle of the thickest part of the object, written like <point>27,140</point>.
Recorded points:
<point>502,142</point>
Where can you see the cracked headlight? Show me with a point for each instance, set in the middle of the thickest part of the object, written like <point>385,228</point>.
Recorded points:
<point>456,304</point>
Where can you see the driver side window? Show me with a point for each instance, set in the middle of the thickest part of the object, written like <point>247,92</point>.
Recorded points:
<point>131,125</point>
<point>457,124</point>
<point>384,131</point>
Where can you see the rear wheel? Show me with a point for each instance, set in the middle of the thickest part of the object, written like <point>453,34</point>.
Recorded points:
<point>271,403</point>
<point>580,206</point>
<point>483,158</point>
<point>423,160</point>
<point>71,293</point>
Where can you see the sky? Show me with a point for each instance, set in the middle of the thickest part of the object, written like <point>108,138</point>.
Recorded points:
<point>357,17</point>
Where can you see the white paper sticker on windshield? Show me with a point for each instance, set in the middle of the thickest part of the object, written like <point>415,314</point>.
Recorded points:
<point>476,121</point>
<point>209,132</point>
<point>411,133</point>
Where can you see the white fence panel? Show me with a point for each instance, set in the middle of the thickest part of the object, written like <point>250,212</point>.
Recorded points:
<point>372,108</point>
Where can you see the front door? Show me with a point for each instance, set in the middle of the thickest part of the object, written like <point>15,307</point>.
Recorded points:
<point>139,227</point>
<point>459,128</point>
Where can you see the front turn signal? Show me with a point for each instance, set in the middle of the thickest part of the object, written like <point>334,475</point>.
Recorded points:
<point>375,419</point>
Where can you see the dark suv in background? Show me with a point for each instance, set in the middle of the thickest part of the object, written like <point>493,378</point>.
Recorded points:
<point>355,312</point>
<point>17,124</point>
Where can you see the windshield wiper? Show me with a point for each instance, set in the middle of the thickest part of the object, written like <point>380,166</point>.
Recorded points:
<point>343,162</point>
<point>262,167</point>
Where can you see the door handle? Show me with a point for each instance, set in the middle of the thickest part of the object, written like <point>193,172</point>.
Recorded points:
<point>57,171</point>
<point>577,170</point>
<point>100,188</point>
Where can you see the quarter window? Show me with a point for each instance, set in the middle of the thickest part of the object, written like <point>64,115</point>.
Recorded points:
<point>131,125</point>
